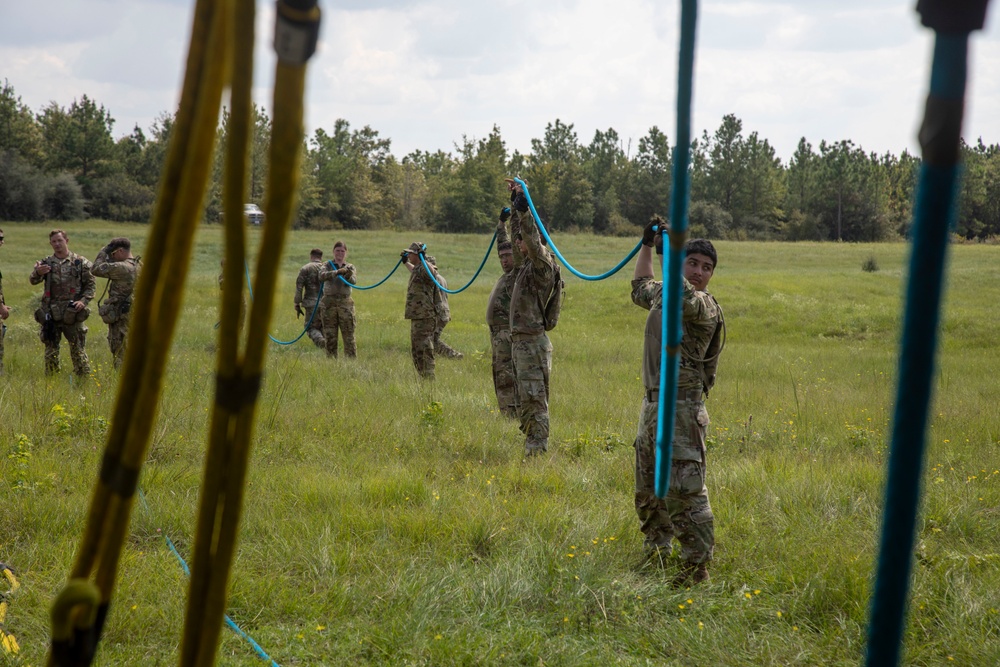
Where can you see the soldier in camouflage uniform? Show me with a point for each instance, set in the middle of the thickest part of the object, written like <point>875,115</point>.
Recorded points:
<point>534,282</point>
<point>443,315</point>
<point>421,309</point>
<point>69,287</point>
<point>685,513</point>
<point>4,312</point>
<point>498,320</point>
<point>307,293</point>
<point>337,306</point>
<point>116,263</point>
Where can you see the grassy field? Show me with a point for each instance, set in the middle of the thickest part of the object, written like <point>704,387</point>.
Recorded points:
<point>393,522</point>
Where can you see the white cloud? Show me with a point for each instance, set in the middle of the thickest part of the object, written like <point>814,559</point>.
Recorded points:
<point>423,73</point>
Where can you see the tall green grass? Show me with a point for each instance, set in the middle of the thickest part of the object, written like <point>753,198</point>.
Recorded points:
<point>391,521</point>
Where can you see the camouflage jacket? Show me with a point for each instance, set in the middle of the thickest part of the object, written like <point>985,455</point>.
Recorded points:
<point>307,284</point>
<point>121,274</point>
<point>701,316</point>
<point>69,280</point>
<point>2,302</point>
<point>534,277</point>
<point>498,305</point>
<point>422,301</point>
<point>441,304</point>
<point>333,286</point>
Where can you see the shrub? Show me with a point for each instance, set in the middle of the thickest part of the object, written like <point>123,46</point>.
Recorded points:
<point>870,265</point>
<point>63,199</point>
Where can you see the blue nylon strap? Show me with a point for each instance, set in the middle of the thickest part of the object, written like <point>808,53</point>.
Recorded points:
<point>555,250</point>
<point>364,287</point>
<point>246,269</point>
<point>673,253</point>
<point>478,271</point>
<point>229,622</point>
<point>934,217</point>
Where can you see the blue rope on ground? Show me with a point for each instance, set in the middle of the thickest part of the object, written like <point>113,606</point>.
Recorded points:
<point>364,287</point>
<point>673,253</point>
<point>934,216</point>
<point>232,625</point>
<point>187,572</point>
<point>555,250</point>
<point>246,268</point>
<point>460,289</point>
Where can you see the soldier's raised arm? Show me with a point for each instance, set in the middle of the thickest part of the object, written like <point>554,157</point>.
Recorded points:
<point>104,267</point>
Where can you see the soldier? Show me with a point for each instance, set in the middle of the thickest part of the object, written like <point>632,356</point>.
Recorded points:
<point>307,293</point>
<point>337,306</point>
<point>443,315</point>
<point>421,309</point>
<point>69,287</point>
<point>116,263</point>
<point>498,320</point>
<point>534,282</point>
<point>686,513</point>
<point>4,312</point>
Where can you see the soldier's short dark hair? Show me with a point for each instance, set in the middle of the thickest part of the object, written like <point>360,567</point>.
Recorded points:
<point>339,244</point>
<point>316,252</point>
<point>58,231</point>
<point>505,247</point>
<point>702,247</point>
<point>119,242</point>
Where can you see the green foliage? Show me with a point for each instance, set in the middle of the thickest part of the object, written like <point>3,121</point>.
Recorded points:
<point>349,179</point>
<point>870,265</point>
<point>19,456</point>
<point>433,415</point>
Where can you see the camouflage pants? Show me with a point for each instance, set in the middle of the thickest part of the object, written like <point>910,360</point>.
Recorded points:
<point>685,513</point>
<point>76,335</point>
<point>422,345</point>
<point>3,332</point>
<point>117,332</point>
<point>532,363</point>
<point>503,371</point>
<point>338,317</point>
<point>441,347</point>
<point>315,330</point>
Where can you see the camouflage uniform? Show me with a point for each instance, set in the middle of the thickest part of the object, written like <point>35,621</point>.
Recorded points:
<point>306,294</point>
<point>443,316</point>
<point>498,320</point>
<point>531,350</point>
<point>337,307</point>
<point>685,513</point>
<point>422,311</point>
<point>69,280</point>
<point>115,311</point>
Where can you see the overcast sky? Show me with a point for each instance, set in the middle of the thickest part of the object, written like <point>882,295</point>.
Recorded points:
<point>423,73</point>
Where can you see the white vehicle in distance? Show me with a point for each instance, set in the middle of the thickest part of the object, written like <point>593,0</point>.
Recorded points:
<point>253,214</point>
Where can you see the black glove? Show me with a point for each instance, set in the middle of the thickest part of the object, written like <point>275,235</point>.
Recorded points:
<point>404,254</point>
<point>298,311</point>
<point>648,233</point>
<point>504,214</point>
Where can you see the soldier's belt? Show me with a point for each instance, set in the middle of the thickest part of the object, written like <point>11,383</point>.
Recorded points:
<point>525,336</point>
<point>653,395</point>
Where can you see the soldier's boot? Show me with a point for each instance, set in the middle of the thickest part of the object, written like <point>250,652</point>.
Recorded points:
<point>691,574</point>
<point>447,351</point>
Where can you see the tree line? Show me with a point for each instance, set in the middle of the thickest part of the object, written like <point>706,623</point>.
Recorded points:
<point>64,163</point>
